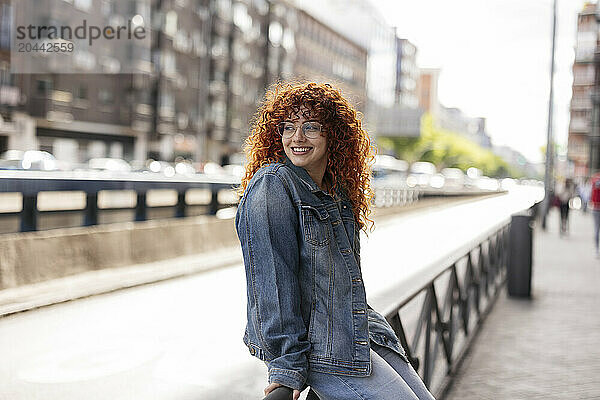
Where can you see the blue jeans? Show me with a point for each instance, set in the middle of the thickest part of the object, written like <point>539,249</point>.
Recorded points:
<point>391,378</point>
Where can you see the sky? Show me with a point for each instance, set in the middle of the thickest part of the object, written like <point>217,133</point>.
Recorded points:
<point>494,57</point>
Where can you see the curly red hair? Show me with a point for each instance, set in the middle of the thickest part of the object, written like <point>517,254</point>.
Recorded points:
<point>350,152</point>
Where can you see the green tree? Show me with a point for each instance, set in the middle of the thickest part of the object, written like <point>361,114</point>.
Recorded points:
<point>447,149</point>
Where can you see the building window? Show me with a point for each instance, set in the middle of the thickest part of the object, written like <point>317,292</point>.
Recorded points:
<point>224,9</point>
<point>241,18</point>
<point>171,23</point>
<point>83,5</point>
<point>5,18</point>
<point>107,7</point>
<point>5,76</point>
<point>275,33</point>
<point>44,86</point>
<point>105,96</point>
<point>81,92</point>
<point>168,62</point>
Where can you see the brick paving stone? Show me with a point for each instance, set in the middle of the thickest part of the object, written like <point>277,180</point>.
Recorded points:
<point>546,347</point>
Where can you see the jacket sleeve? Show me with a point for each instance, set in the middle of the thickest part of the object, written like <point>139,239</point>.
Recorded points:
<point>267,227</point>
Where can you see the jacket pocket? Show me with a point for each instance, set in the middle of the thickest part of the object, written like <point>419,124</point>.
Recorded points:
<point>315,224</point>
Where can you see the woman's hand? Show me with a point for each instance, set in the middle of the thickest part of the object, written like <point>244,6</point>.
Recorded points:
<point>274,385</point>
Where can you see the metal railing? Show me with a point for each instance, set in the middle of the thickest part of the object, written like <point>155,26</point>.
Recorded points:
<point>31,183</point>
<point>470,280</point>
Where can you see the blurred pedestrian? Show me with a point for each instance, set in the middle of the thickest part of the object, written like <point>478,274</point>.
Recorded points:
<point>306,195</point>
<point>594,205</point>
<point>585,190</point>
<point>565,191</point>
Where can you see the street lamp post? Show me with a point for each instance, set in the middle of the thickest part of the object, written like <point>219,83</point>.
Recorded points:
<point>549,173</point>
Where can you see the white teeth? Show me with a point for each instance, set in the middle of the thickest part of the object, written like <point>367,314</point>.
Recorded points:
<point>301,148</point>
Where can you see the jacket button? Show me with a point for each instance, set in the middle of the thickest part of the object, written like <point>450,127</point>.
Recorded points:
<point>252,351</point>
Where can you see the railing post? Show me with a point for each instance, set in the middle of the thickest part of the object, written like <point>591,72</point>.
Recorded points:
<point>427,361</point>
<point>214,200</point>
<point>91,209</point>
<point>140,207</point>
<point>396,324</point>
<point>29,212</point>
<point>181,206</point>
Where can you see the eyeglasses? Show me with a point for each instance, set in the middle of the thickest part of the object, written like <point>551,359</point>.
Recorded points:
<point>310,129</point>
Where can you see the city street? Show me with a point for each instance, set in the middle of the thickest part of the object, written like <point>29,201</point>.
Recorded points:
<point>181,338</point>
<point>130,131</point>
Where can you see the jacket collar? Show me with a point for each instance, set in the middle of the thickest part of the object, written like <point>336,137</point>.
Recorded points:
<point>305,177</point>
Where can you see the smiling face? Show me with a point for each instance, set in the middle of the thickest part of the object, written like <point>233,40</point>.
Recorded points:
<point>310,154</point>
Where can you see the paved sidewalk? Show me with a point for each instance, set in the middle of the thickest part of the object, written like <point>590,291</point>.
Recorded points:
<point>547,347</point>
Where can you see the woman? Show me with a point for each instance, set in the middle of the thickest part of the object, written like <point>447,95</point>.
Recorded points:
<point>305,197</point>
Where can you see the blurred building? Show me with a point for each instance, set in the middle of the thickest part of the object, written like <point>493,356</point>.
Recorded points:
<point>201,82</point>
<point>392,100</point>
<point>325,55</point>
<point>253,44</point>
<point>178,95</point>
<point>584,71</point>
<point>481,136</point>
<point>516,160</point>
<point>407,74</point>
<point>449,118</point>
<point>403,118</point>
<point>362,23</point>
<point>427,89</point>
<point>10,94</point>
<point>82,115</point>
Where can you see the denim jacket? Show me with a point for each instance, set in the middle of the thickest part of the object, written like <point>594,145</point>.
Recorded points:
<point>307,305</point>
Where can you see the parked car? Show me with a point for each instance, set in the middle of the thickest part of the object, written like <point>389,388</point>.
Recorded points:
<point>35,160</point>
<point>487,183</point>
<point>473,175</point>
<point>389,170</point>
<point>161,167</point>
<point>109,164</point>
<point>235,169</point>
<point>185,168</point>
<point>437,181</point>
<point>420,173</point>
<point>454,178</point>
<point>11,159</point>
<point>140,166</point>
<point>211,168</point>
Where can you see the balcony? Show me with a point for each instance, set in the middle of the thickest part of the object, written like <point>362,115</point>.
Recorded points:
<point>579,125</point>
<point>10,95</point>
<point>581,104</point>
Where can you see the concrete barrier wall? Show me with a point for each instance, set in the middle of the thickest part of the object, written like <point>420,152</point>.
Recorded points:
<point>33,257</point>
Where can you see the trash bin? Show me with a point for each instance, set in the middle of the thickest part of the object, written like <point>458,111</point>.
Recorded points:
<point>520,257</point>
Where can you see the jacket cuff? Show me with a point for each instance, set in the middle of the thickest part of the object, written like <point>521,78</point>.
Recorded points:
<point>287,377</point>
